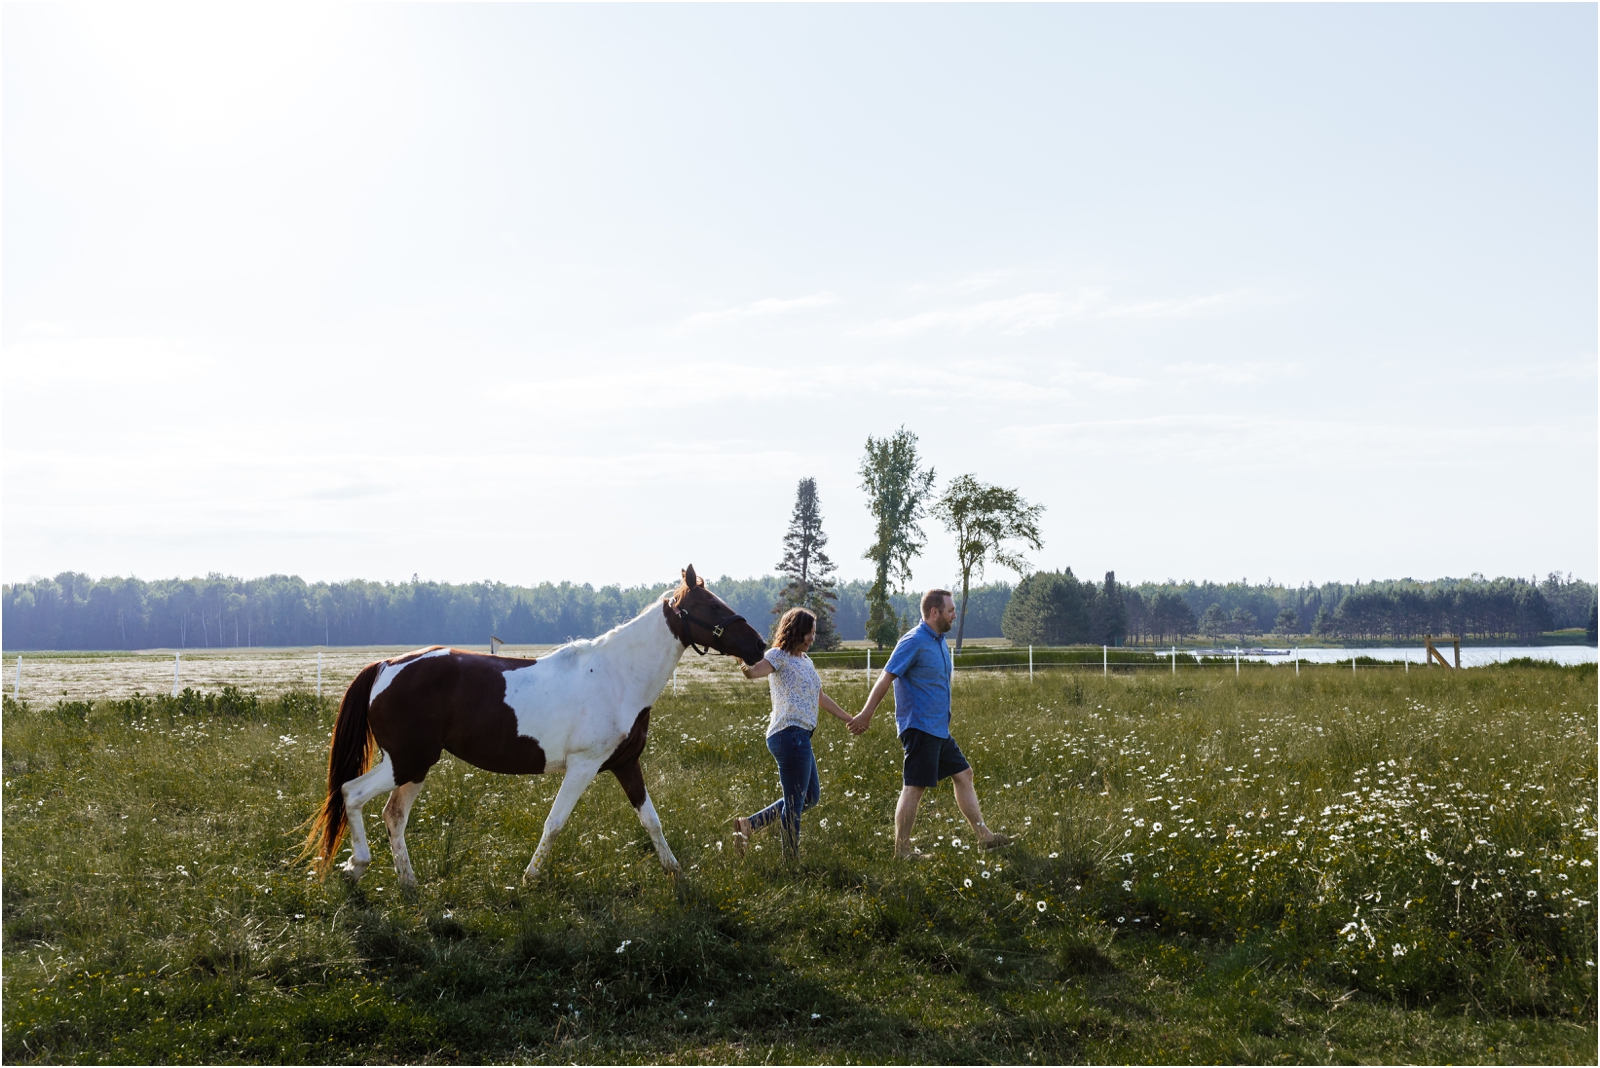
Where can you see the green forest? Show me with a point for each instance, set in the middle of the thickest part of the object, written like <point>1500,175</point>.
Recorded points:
<point>75,611</point>
<point>1057,608</point>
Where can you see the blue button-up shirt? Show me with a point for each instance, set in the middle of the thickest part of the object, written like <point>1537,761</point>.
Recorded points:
<point>921,666</point>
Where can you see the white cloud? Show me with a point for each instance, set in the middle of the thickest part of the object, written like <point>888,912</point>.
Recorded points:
<point>1031,312</point>
<point>102,361</point>
<point>1231,443</point>
<point>1168,309</point>
<point>1530,373</point>
<point>755,309</point>
<point>1231,374</point>
<point>1010,315</point>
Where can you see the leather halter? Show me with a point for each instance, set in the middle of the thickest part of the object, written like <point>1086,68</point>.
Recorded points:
<point>685,618</point>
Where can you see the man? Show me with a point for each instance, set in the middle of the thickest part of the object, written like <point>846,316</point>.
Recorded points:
<point>920,669</point>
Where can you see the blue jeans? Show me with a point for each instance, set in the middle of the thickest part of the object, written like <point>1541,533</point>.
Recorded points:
<point>797,776</point>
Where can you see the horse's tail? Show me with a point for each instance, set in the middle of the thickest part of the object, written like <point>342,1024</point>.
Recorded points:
<point>349,754</point>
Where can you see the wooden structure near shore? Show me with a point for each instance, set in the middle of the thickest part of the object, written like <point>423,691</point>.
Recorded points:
<point>1435,654</point>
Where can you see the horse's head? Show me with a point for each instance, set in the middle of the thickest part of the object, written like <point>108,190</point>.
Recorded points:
<point>701,619</point>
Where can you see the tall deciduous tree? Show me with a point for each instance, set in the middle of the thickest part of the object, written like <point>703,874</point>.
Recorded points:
<point>897,488</point>
<point>984,519</point>
<point>806,565</point>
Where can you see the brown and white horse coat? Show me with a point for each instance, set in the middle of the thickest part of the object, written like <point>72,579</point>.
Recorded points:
<point>581,710</point>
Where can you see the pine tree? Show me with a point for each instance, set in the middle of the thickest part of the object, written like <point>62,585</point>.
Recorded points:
<point>806,565</point>
<point>1111,613</point>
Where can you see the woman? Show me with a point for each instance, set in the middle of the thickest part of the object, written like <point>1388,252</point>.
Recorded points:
<point>796,693</point>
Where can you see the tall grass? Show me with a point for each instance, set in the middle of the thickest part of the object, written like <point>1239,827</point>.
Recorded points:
<point>1329,867</point>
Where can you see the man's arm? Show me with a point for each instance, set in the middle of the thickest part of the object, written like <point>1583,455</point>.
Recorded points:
<point>859,724</point>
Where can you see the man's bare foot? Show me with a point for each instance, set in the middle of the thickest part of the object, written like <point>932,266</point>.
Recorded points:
<point>997,841</point>
<point>741,835</point>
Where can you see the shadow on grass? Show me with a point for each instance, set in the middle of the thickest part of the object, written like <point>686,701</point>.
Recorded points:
<point>596,976</point>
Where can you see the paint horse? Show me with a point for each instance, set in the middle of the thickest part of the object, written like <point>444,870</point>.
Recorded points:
<point>581,710</point>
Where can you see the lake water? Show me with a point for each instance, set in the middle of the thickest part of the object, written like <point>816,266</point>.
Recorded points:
<point>1473,656</point>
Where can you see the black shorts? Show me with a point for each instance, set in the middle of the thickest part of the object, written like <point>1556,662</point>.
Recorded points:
<point>930,758</point>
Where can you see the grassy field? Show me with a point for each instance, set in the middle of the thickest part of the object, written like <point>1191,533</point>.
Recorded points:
<point>1323,868</point>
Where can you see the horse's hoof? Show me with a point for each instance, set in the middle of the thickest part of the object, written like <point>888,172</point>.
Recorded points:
<point>352,871</point>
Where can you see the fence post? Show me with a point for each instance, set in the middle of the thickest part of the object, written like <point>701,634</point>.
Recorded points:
<point>176,659</point>
<point>1174,659</point>
<point>1030,663</point>
<point>319,676</point>
<point>869,668</point>
<point>1352,665</point>
<point>1105,661</point>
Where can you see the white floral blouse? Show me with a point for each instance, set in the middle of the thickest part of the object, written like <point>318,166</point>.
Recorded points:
<point>795,687</point>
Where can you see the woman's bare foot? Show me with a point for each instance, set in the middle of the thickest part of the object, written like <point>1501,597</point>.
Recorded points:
<point>741,835</point>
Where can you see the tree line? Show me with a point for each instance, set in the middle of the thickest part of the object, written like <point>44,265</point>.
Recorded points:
<point>1515,609</point>
<point>75,611</point>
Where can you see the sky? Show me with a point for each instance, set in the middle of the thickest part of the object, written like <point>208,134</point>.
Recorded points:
<point>530,293</point>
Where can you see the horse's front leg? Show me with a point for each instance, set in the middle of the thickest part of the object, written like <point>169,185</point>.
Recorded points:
<point>357,792</point>
<point>395,814</point>
<point>580,773</point>
<point>631,777</point>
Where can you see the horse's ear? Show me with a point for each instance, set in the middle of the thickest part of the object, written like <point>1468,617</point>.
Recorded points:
<point>689,579</point>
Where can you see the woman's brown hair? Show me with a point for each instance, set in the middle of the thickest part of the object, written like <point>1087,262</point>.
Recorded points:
<point>793,628</point>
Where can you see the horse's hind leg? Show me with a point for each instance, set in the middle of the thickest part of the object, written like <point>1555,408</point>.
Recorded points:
<point>573,784</point>
<point>631,776</point>
<point>357,792</point>
<point>395,814</point>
